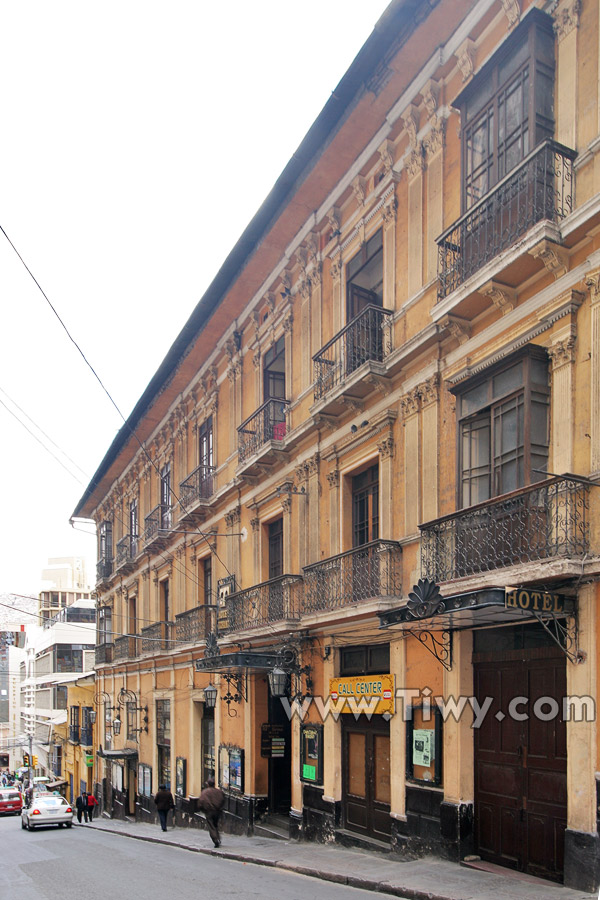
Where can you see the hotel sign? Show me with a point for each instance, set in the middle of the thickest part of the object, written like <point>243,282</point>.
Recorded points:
<point>364,694</point>
<point>538,602</point>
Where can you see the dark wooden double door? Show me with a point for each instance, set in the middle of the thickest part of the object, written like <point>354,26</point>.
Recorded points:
<point>366,774</point>
<point>521,761</point>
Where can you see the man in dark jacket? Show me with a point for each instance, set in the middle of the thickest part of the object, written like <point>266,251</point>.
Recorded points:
<point>164,802</point>
<point>211,802</point>
<point>82,807</point>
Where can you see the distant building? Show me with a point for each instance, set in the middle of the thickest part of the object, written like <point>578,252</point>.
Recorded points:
<point>66,573</point>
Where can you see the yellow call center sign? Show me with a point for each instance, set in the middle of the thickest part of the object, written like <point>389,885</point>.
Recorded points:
<point>364,694</point>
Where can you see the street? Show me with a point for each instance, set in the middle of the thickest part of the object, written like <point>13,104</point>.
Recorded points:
<point>84,864</point>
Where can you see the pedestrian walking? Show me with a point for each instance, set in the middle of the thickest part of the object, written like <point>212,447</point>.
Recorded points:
<point>211,801</point>
<point>164,802</point>
<point>92,803</point>
<point>82,807</point>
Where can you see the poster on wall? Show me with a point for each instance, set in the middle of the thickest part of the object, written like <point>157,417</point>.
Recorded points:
<point>311,753</point>
<point>423,747</point>
<point>224,766</point>
<point>231,768</point>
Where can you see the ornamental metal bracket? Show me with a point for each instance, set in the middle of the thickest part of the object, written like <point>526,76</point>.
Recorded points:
<point>237,689</point>
<point>565,635</point>
<point>441,649</point>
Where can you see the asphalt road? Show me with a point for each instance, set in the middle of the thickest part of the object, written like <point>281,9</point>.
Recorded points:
<point>81,863</point>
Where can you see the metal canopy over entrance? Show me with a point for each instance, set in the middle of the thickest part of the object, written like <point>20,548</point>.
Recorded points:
<point>431,618</point>
<point>242,659</point>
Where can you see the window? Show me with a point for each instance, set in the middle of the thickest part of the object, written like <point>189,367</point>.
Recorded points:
<point>105,548</point>
<point>163,741</point>
<point>134,526</point>
<point>364,276</point>
<point>365,507</point>
<point>208,744</point>
<point>165,496</point>
<point>105,635</point>
<point>507,109</point>
<point>144,780</point>
<point>275,530</point>
<point>74,724</point>
<point>131,721</point>
<point>274,371</point>
<point>69,657</point>
<point>206,570</point>
<point>205,443</point>
<point>503,427</point>
<point>371,659</point>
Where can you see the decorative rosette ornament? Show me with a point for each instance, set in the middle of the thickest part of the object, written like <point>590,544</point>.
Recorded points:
<point>425,600</point>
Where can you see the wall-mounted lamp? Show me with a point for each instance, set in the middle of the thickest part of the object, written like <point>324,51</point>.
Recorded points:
<point>92,716</point>
<point>278,682</point>
<point>210,696</point>
<point>287,674</point>
<point>116,726</point>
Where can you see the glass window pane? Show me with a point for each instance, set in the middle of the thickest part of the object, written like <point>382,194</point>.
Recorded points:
<point>474,399</point>
<point>508,381</point>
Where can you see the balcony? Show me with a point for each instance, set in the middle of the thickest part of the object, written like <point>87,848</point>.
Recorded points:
<point>539,189</point>
<point>193,625</point>
<point>85,738</point>
<point>127,550</point>
<point>195,493</point>
<point>361,345</point>
<point>371,571</point>
<point>74,734</point>
<point>157,526</point>
<point>272,602</point>
<point>104,653</point>
<point>545,521</point>
<point>104,569</point>
<point>156,637</point>
<point>261,437</point>
<point>125,648</point>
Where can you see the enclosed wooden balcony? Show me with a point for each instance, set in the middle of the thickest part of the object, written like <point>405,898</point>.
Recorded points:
<point>271,603</point>
<point>348,366</point>
<point>369,572</point>
<point>544,521</point>
<point>540,189</point>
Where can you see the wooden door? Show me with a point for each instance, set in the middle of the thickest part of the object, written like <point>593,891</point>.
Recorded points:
<point>366,797</point>
<point>521,762</point>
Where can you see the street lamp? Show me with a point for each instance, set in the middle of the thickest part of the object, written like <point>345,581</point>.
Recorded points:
<point>92,716</point>
<point>210,696</point>
<point>116,726</point>
<point>278,681</point>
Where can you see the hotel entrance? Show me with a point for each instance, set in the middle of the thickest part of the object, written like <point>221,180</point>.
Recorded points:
<point>521,750</point>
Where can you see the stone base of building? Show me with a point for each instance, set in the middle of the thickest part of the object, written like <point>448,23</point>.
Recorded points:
<point>582,861</point>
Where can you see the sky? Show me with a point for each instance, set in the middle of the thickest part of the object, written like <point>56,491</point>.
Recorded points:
<point>138,140</point>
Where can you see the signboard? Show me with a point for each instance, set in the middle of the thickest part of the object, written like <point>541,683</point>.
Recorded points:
<point>311,753</point>
<point>272,741</point>
<point>89,760</point>
<point>538,601</point>
<point>364,694</point>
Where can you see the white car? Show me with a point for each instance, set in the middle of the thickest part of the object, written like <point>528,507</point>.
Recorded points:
<point>47,810</point>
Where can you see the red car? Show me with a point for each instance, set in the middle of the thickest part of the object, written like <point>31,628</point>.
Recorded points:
<point>11,802</point>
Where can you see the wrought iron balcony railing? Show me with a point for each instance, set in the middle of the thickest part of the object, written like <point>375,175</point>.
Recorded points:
<point>366,572</point>
<point>360,341</point>
<point>197,486</point>
<point>85,737</point>
<point>125,648</point>
<point>74,734</point>
<point>104,653</point>
<point>546,520</point>
<point>104,568</point>
<point>194,624</point>
<point>160,519</point>
<point>541,187</point>
<point>268,423</point>
<point>263,604</point>
<point>127,549</point>
<point>157,637</point>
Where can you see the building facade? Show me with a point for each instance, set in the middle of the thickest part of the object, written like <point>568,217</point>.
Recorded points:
<point>348,537</point>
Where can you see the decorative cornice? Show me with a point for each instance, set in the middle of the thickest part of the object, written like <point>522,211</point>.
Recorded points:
<point>410,403</point>
<point>388,213</point>
<point>562,352</point>
<point>430,390</point>
<point>592,282</point>
<point>410,117</point>
<point>503,297</point>
<point>465,57</point>
<point>286,505</point>
<point>255,524</point>
<point>233,517</point>
<point>334,217</point>
<point>434,141</point>
<point>457,327</point>
<point>386,154</point>
<point>554,257</point>
<point>431,95</point>
<point>359,189</point>
<point>566,18</point>
<point>512,10</point>
<point>386,447</point>
<point>415,162</point>
<point>333,478</point>
<point>312,464</point>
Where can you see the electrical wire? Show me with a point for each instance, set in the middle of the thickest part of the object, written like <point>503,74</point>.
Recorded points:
<point>131,430</point>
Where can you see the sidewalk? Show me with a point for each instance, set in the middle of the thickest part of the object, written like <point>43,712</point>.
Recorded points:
<point>424,879</point>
